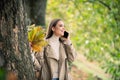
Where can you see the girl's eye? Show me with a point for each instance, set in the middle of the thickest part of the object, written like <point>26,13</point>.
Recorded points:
<point>61,25</point>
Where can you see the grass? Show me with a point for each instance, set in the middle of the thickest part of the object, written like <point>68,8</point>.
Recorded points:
<point>93,71</point>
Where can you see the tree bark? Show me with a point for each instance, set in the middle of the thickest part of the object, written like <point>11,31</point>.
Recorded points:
<point>37,12</point>
<point>13,40</point>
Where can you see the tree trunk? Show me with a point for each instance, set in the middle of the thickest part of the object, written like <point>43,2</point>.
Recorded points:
<point>37,12</point>
<point>13,40</point>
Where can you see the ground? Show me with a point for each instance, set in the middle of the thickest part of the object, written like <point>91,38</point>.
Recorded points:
<point>82,69</point>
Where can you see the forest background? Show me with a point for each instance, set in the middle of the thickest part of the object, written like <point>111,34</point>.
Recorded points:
<point>94,26</point>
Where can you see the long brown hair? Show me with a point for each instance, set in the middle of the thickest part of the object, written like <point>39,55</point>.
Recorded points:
<point>49,30</point>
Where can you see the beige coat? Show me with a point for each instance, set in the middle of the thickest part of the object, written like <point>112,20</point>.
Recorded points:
<point>67,54</point>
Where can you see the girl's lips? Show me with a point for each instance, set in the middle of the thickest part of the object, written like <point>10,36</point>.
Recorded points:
<point>62,30</point>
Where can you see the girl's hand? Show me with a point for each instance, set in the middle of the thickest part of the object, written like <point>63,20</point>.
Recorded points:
<point>66,40</point>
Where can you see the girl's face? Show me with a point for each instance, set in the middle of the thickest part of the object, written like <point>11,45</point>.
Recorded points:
<point>59,29</point>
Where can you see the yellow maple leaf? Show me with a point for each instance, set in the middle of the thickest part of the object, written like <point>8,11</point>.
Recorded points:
<point>36,37</point>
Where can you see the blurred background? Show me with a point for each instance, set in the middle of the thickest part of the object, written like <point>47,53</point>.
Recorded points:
<point>95,32</point>
<point>94,27</point>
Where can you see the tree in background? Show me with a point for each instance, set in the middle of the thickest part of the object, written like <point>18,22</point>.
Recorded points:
<point>36,11</point>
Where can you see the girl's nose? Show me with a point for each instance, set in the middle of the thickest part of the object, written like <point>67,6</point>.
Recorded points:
<point>63,28</point>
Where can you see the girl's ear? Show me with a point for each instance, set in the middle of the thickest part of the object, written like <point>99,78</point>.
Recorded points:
<point>53,29</point>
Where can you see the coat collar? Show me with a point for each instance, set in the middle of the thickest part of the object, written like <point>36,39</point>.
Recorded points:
<point>51,54</point>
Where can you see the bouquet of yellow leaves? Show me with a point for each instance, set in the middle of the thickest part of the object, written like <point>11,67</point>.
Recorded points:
<point>36,37</point>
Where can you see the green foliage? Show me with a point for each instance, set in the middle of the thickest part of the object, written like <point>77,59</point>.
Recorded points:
<point>2,74</point>
<point>95,29</point>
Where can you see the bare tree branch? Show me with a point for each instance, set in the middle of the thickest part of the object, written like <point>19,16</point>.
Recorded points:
<point>104,4</point>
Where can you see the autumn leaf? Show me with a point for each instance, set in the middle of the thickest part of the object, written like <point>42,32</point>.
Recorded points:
<point>36,37</point>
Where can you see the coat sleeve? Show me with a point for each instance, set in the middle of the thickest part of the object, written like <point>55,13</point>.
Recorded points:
<point>38,60</point>
<point>70,52</point>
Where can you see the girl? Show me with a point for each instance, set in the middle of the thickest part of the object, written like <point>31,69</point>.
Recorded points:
<point>56,55</point>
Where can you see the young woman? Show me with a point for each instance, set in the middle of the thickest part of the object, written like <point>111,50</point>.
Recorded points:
<point>57,53</point>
